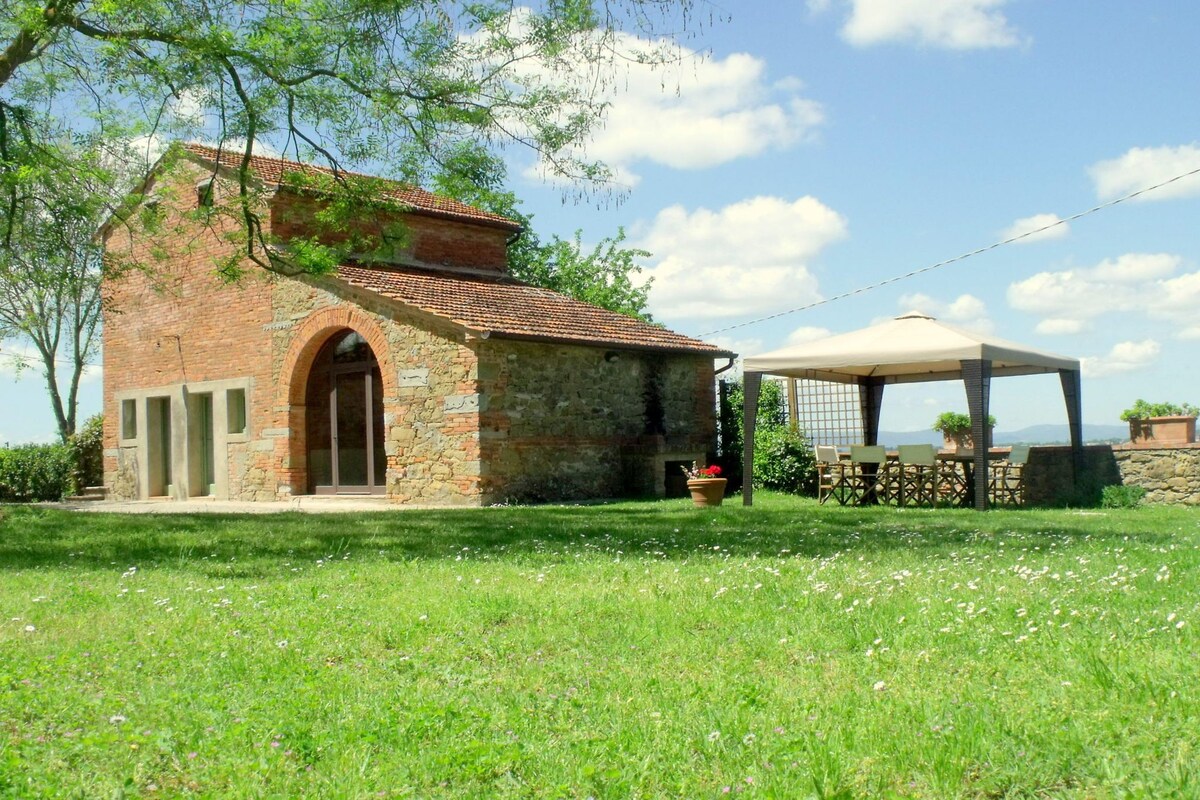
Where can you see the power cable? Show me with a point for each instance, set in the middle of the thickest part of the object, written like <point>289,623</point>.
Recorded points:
<point>36,361</point>
<point>947,262</point>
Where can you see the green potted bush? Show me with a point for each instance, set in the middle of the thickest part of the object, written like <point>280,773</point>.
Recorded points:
<point>956,429</point>
<point>1161,424</point>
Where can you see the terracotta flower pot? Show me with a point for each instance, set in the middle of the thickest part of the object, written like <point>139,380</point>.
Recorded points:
<point>959,441</point>
<point>707,491</point>
<point>1163,430</point>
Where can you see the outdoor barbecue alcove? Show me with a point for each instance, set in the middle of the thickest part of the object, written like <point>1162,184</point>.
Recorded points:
<point>908,349</point>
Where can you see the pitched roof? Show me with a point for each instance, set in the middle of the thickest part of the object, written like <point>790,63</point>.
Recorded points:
<point>498,305</point>
<point>271,171</point>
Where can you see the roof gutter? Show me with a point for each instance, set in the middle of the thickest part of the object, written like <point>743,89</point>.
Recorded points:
<point>732,361</point>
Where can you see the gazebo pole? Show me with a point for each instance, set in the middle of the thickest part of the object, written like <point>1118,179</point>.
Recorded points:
<point>752,381</point>
<point>1073,395</point>
<point>870,402</point>
<point>977,376</point>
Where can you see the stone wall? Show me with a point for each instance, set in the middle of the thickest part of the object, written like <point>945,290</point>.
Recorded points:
<point>1169,475</point>
<point>572,422</point>
<point>429,378</point>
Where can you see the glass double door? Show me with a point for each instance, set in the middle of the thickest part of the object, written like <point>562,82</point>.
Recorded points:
<point>345,419</point>
<point>356,406</point>
<point>346,451</point>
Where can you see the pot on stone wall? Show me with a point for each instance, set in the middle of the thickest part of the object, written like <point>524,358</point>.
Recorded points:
<point>707,491</point>
<point>958,441</point>
<point>1165,431</point>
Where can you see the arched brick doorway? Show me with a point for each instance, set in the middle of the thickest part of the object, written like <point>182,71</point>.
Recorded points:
<point>300,364</point>
<point>344,422</point>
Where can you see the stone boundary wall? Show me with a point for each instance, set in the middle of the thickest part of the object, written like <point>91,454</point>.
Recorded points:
<point>1170,475</point>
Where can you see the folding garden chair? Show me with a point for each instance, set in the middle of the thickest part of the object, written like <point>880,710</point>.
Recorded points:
<point>917,475</point>
<point>868,473</point>
<point>1006,485</point>
<point>830,471</point>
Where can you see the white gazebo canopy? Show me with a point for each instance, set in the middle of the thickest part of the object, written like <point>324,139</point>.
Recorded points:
<point>911,348</point>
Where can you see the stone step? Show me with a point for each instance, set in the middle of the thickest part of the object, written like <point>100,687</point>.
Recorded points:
<point>89,493</point>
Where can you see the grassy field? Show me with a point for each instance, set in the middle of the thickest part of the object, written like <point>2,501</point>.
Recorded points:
<point>630,650</point>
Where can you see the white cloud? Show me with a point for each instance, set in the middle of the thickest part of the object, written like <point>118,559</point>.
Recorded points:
<point>703,125</point>
<point>1135,283</point>
<point>742,347</point>
<point>806,334</point>
<point>1060,327</point>
<point>1142,167</point>
<point>188,106</point>
<point>1192,332</point>
<point>966,310</point>
<point>747,258</point>
<point>949,24</point>
<point>92,374</point>
<point>692,113</point>
<point>1124,357</point>
<point>1048,226</point>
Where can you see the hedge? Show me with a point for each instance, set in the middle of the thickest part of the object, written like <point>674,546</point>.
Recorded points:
<point>32,472</point>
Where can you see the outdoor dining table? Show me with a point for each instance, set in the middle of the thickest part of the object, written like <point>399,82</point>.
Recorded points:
<point>964,457</point>
<point>967,459</point>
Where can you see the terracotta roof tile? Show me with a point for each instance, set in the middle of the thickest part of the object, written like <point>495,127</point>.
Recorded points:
<point>502,306</point>
<point>271,171</point>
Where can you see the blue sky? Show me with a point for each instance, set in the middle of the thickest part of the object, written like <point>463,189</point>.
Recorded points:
<point>826,146</point>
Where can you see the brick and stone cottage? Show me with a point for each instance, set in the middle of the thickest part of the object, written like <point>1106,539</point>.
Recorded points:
<point>434,378</point>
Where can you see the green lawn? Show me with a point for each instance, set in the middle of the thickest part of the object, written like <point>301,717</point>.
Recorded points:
<point>630,650</point>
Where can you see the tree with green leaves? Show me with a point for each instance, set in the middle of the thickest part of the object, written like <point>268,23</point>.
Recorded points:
<point>602,276</point>
<point>50,271</point>
<point>605,276</point>
<point>409,84</point>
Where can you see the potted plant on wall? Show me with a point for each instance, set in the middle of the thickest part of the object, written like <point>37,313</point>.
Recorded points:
<point>1161,423</point>
<point>705,484</point>
<point>956,429</point>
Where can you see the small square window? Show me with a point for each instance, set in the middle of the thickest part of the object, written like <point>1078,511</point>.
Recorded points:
<point>205,191</point>
<point>235,410</point>
<point>128,419</point>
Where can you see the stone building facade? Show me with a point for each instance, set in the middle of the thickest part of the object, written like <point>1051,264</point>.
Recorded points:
<point>434,378</point>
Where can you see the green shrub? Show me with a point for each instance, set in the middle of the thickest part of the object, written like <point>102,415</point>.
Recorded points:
<point>772,415</point>
<point>32,472</point>
<point>1122,496</point>
<point>953,422</point>
<point>784,461</point>
<point>88,446</point>
<point>1144,410</point>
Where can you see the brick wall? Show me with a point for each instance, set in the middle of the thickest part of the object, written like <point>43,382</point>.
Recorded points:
<point>175,323</point>
<point>425,241</point>
<point>175,328</point>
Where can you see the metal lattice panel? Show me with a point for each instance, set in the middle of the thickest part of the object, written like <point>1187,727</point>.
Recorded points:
<point>828,413</point>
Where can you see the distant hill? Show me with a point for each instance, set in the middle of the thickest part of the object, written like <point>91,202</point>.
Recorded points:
<point>1035,434</point>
